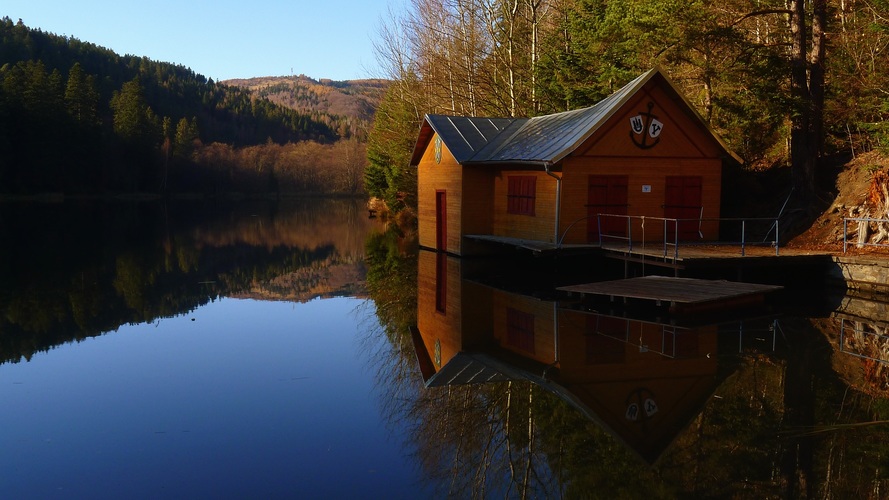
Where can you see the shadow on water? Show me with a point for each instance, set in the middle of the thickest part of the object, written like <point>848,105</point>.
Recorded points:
<point>75,270</point>
<point>520,391</point>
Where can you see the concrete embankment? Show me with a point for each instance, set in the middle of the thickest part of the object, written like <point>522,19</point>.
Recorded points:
<point>866,274</point>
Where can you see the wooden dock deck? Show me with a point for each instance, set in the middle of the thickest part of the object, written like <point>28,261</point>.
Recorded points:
<point>683,294</point>
<point>791,267</point>
<point>654,252</point>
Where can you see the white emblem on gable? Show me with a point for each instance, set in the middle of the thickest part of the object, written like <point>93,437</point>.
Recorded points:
<point>645,126</point>
<point>637,124</point>
<point>655,128</point>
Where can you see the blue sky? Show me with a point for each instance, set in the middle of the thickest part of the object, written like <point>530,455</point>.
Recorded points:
<point>223,39</point>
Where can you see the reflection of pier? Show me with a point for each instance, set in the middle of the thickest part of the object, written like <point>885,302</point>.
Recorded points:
<point>864,334</point>
<point>643,381</point>
<point>864,327</point>
<point>867,340</point>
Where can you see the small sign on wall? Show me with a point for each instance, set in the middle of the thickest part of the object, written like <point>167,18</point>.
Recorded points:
<point>646,188</point>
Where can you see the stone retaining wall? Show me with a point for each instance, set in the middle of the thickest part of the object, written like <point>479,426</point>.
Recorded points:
<point>860,273</point>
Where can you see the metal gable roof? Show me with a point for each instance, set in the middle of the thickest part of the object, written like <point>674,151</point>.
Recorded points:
<point>463,135</point>
<point>540,140</point>
<point>549,138</point>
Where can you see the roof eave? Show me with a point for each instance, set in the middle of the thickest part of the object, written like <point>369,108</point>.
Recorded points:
<point>503,163</point>
<point>713,134</point>
<point>629,92</point>
<point>422,140</point>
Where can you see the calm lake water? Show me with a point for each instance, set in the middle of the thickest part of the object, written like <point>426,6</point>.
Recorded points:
<point>279,350</point>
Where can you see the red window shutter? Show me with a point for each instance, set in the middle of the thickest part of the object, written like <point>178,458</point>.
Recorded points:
<point>521,194</point>
<point>520,330</point>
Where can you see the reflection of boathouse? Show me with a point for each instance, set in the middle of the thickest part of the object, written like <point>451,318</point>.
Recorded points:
<point>642,381</point>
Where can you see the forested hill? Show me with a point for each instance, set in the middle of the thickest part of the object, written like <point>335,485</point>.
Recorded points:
<point>77,117</point>
<point>347,107</point>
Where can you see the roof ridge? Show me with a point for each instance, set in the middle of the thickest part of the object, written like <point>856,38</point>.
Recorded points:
<point>608,103</point>
<point>546,139</point>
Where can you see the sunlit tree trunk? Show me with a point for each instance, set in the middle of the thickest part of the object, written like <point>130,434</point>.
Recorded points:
<point>534,18</point>
<point>800,137</point>
<point>526,478</point>
<point>807,91</point>
<point>816,78</point>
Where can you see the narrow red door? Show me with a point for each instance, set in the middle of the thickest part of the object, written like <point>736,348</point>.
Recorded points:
<point>441,220</point>
<point>607,194</point>
<point>682,200</point>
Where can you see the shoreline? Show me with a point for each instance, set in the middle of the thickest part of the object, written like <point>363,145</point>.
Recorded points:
<point>139,197</point>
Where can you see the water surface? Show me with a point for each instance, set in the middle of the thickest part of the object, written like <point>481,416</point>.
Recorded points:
<point>240,398</point>
<point>297,349</point>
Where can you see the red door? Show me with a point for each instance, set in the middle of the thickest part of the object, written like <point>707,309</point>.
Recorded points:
<point>441,220</point>
<point>607,194</point>
<point>682,200</point>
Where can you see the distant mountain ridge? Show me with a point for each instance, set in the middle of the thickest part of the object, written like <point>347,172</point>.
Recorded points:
<point>79,118</point>
<point>352,101</point>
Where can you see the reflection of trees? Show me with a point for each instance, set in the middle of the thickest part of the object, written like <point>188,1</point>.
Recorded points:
<point>780,424</point>
<point>517,440</point>
<point>870,342</point>
<point>479,441</point>
<point>392,284</point>
<point>70,272</point>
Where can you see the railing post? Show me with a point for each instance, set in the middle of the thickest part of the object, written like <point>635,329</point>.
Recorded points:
<point>599,227</point>
<point>743,234</point>
<point>777,239</point>
<point>845,231</point>
<point>630,233</point>
<point>676,240</point>
<point>741,336</point>
<point>665,238</point>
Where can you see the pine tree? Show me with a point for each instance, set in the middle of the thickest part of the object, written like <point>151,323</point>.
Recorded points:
<point>186,135</point>
<point>130,120</point>
<point>389,145</point>
<point>81,97</point>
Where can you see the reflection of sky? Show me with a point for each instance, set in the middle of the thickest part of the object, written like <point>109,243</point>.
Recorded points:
<point>238,398</point>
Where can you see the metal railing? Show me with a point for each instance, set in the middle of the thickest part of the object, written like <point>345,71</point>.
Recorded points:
<point>866,223</point>
<point>674,232</point>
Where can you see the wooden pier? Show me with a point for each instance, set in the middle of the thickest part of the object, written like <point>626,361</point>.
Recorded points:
<point>790,267</point>
<point>688,255</point>
<point>682,294</point>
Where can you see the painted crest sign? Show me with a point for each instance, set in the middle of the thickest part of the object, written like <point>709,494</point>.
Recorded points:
<point>646,126</point>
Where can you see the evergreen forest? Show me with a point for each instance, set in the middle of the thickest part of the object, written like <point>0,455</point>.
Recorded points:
<point>793,86</point>
<point>76,118</point>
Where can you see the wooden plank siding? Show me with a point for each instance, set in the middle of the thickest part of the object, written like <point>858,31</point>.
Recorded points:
<point>435,176</point>
<point>542,313</point>
<point>684,148</point>
<point>466,320</point>
<point>434,325</point>
<point>541,225</point>
<point>576,327</point>
<point>476,194</point>
<point>478,201</point>
<point>683,135</point>
<point>650,172</point>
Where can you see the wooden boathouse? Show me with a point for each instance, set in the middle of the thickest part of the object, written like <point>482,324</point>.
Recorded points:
<point>571,178</point>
